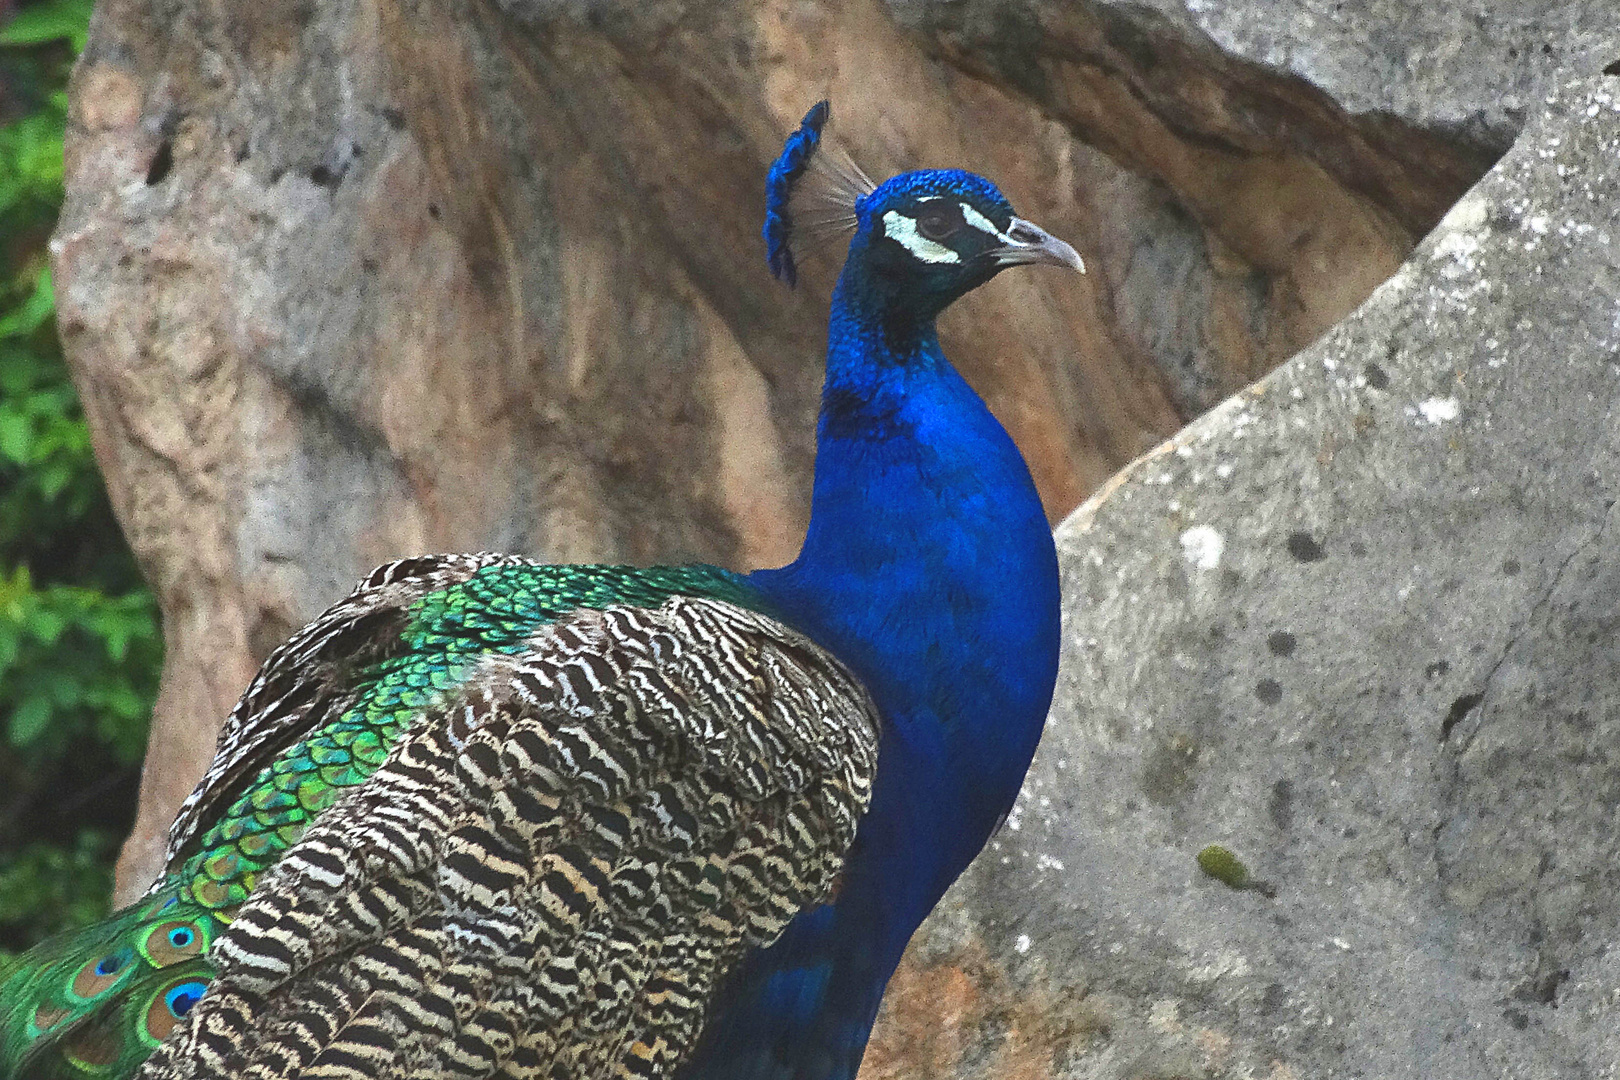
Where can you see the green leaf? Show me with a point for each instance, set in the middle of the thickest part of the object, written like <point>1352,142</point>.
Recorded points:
<point>47,626</point>
<point>28,720</point>
<point>124,701</point>
<point>31,314</point>
<point>58,20</point>
<point>54,479</point>
<point>16,436</point>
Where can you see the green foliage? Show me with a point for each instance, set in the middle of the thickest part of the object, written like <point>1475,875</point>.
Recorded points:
<point>39,24</point>
<point>79,641</point>
<point>1223,866</point>
<point>47,887</point>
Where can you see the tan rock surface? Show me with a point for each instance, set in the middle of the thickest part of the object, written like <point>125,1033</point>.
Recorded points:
<point>346,281</point>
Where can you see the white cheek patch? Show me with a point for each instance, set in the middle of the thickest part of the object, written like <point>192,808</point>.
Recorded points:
<point>897,226</point>
<point>984,224</point>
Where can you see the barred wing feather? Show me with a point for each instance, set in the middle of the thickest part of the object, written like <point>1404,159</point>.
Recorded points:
<point>309,678</point>
<point>555,865</point>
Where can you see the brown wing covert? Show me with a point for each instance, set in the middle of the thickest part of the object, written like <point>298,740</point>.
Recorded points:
<point>551,871</point>
<point>307,679</point>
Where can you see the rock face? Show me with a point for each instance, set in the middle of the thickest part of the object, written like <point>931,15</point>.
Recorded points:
<point>1468,70</point>
<point>346,281</point>
<point>1356,626</point>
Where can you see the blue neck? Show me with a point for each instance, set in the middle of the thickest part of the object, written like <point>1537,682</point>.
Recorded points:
<point>929,569</point>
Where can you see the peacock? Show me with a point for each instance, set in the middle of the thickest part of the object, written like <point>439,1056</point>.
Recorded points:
<point>487,817</point>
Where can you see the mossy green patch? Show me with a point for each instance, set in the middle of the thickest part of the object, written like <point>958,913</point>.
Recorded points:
<point>1225,867</point>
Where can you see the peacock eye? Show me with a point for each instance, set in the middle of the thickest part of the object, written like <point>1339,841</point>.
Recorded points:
<point>181,998</point>
<point>939,220</point>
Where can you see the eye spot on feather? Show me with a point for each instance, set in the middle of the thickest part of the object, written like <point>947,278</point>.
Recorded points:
<point>47,1017</point>
<point>96,977</point>
<point>181,998</point>
<point>213,894</point>
<point>94,1050</point>
<point>171,942</point>
<point>168,1005</point>
<point>903,230</point>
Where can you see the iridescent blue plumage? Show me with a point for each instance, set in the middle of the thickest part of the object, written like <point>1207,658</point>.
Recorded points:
<point>929,569</point>
<point>786,172</point>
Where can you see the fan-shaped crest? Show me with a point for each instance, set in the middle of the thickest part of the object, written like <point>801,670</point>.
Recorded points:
<point>809,196</point>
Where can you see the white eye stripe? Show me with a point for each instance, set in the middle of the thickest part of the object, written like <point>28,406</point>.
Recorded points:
<point>898,226</point>
<point>984,224</point>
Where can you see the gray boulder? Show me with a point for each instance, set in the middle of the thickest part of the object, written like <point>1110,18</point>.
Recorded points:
<point>1357,626</point>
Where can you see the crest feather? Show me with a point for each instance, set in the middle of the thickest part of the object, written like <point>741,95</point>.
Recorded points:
<point>809,196</point>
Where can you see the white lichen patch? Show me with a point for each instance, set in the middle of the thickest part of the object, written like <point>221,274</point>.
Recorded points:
<point>1021,946</point>
<point>1460,248</point>
<point>1203,546</point>
<point>1165,1016</point>
<point>1438,410</point>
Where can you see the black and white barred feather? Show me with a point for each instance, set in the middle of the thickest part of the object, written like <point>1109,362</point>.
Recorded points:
<point>550,872</point>
<point>308,678</point>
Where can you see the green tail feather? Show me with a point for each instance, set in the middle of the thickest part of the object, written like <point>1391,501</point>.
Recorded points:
<point>91,1004</point>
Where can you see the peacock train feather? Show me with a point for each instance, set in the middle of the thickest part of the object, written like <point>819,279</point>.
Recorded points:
<point>487,817</point>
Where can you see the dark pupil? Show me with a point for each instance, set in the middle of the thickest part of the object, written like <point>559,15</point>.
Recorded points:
<point>938,222</point>
<point>108,965</point>
<point>182,998</point>
<point>179,937</point>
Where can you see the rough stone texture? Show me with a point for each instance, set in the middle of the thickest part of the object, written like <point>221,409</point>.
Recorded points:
<point>1358,626</point>
<point>348,280</point>
<point>1469,69</point>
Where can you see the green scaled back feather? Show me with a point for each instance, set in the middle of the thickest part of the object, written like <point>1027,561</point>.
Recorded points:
<point>92,1004</point>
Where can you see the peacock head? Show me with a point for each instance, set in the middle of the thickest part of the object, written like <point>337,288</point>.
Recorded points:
<point>930,235</point>
<point>937,233</point>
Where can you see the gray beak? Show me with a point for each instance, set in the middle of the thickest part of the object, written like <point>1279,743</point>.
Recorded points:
<point>1029,243</point>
